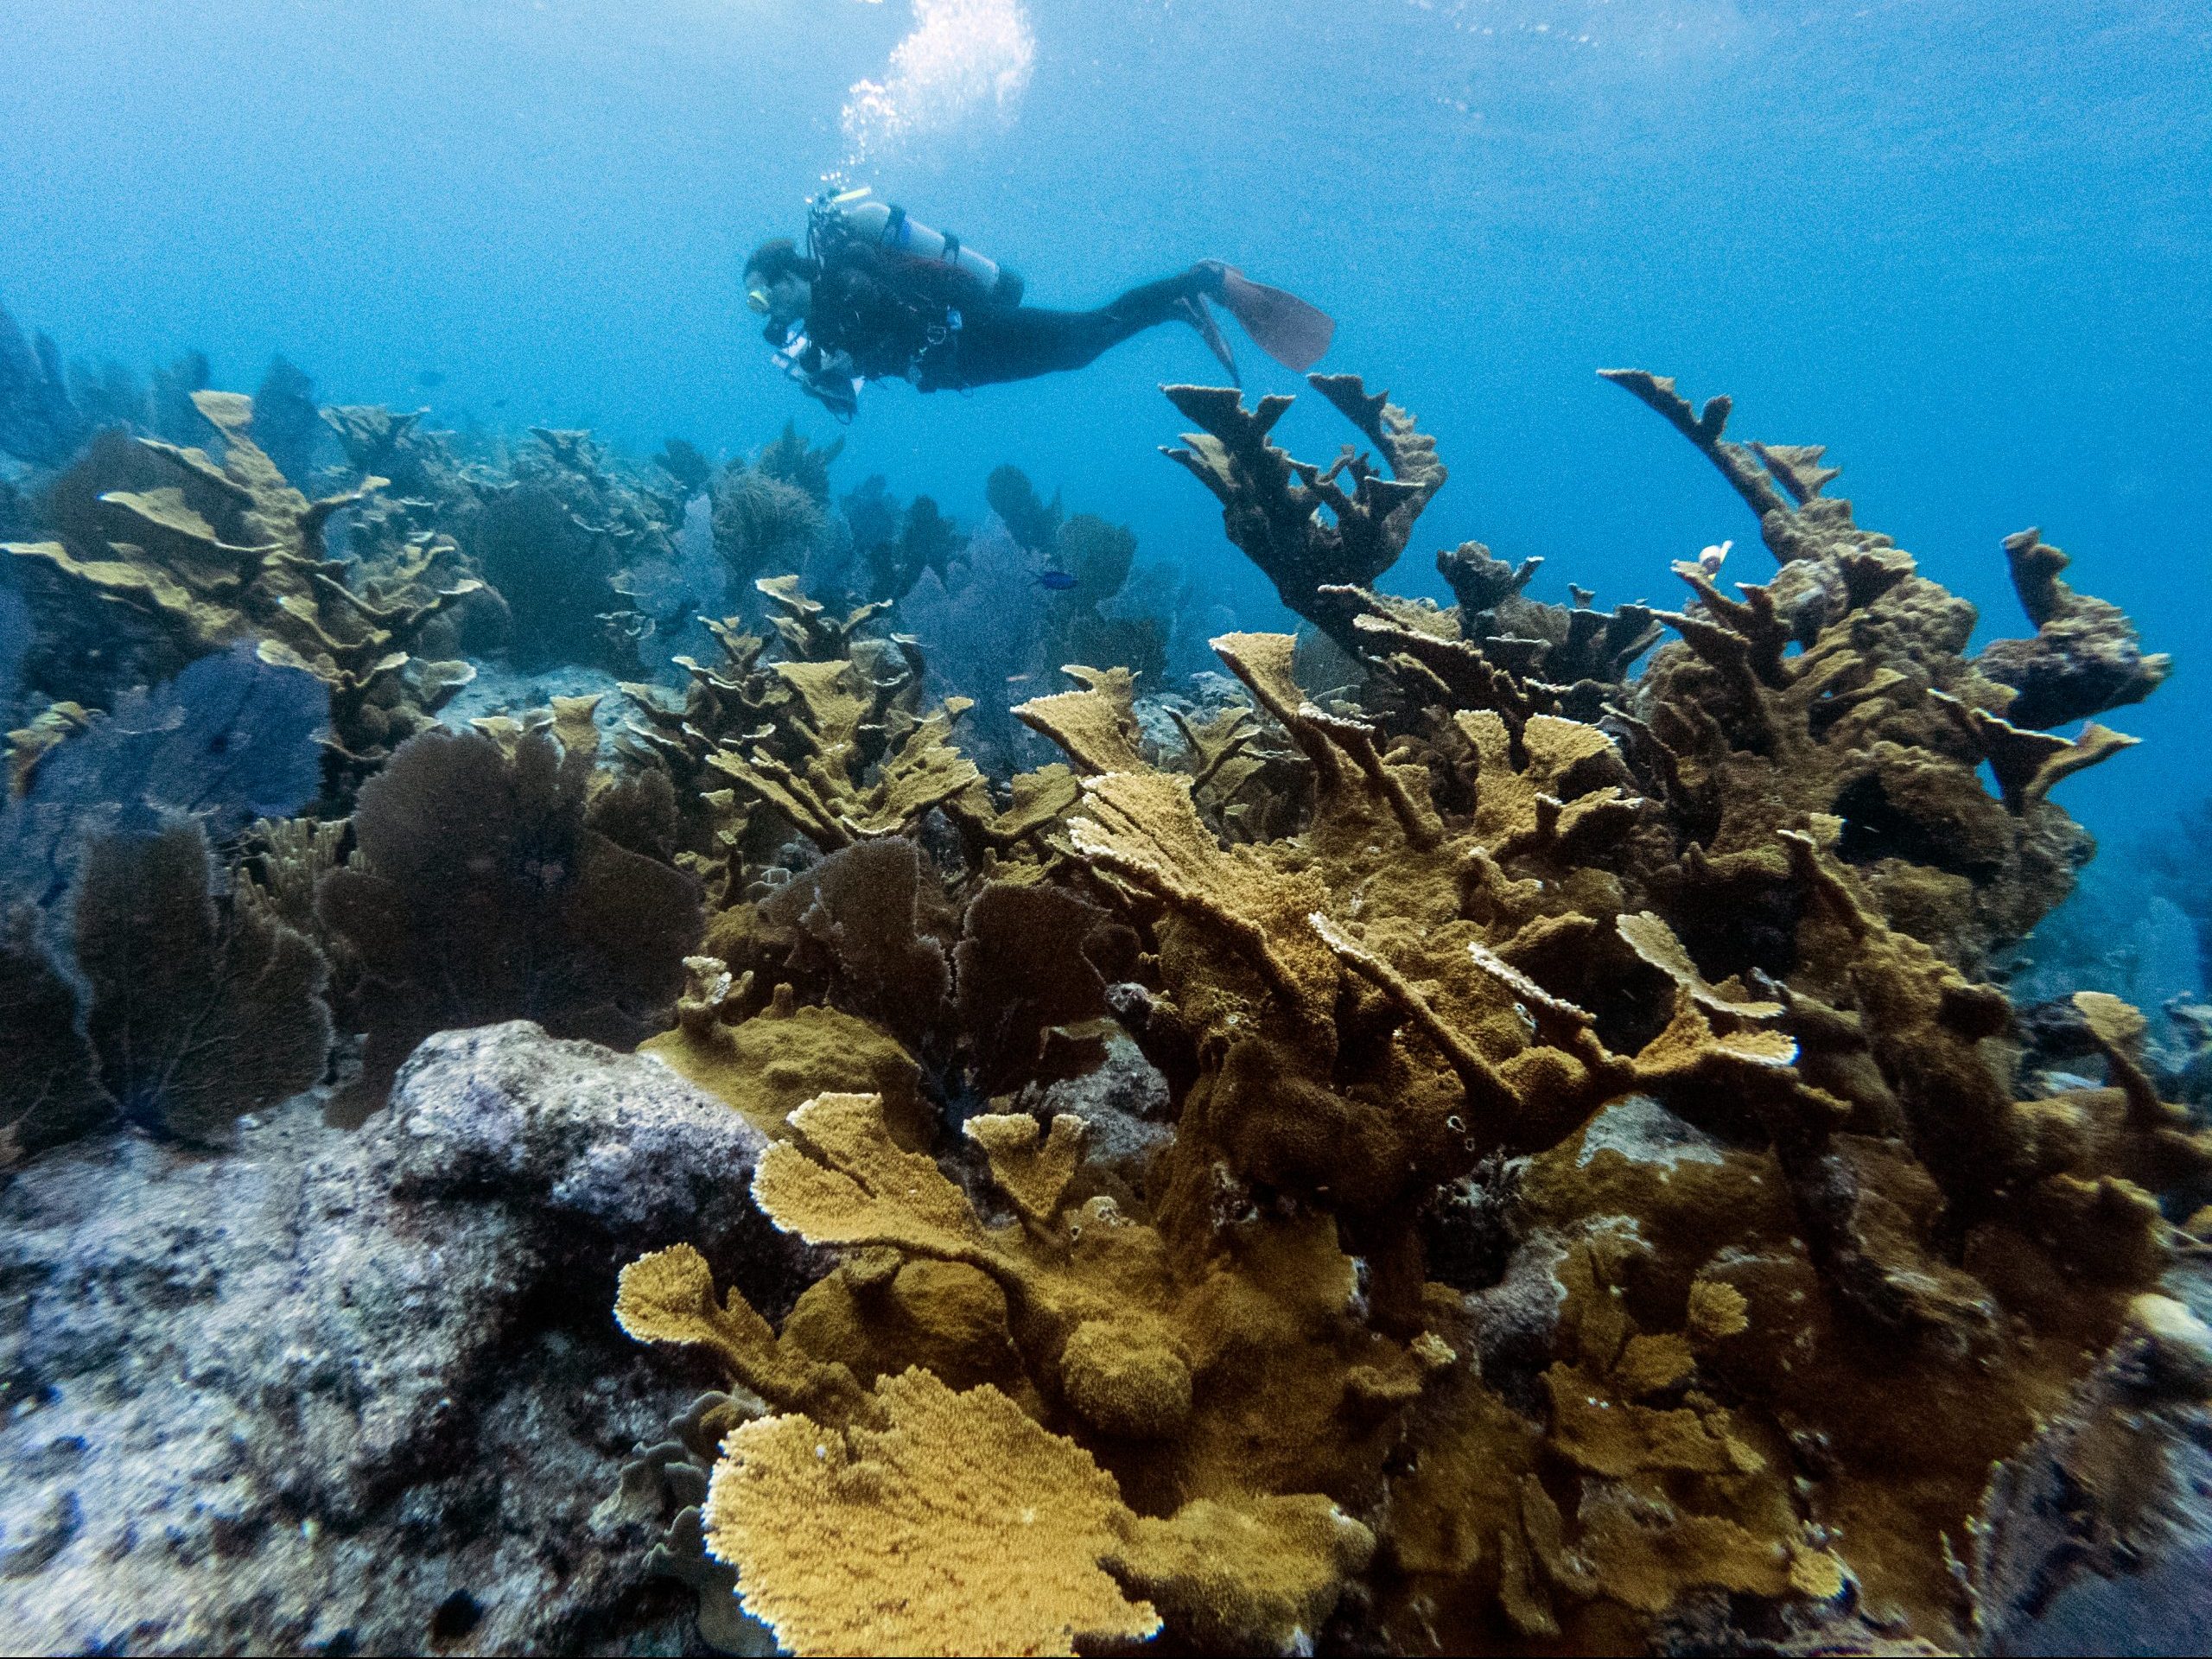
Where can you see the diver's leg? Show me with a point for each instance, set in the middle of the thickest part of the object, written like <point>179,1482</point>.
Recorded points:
<point>1022,344</point>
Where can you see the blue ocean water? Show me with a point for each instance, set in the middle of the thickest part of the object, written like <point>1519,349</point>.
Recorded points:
<point>1965,244</point>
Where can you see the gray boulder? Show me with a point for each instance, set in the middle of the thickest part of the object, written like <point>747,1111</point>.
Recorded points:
<point>2096,1539</point>
<point>361,1392</point>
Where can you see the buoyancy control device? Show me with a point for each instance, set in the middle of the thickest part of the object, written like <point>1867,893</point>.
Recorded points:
<point>856,216</point>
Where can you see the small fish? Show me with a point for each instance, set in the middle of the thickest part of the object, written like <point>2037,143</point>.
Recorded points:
<point>1058,581</point>
<point>430,378</point>
<point>499,403</point>
<point>1017,679</point>
<point>1714,557</point>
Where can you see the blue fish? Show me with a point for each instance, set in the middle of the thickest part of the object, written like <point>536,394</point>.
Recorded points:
<point>1058,581</point>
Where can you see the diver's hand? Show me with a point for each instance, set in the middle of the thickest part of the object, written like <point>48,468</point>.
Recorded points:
<point>839,396</point>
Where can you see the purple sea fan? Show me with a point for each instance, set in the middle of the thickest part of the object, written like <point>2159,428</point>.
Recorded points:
<point>979,632</point>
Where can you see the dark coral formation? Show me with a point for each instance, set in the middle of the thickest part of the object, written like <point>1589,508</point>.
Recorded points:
<point>39,420</point>
<point>477,892</point>
<point>2085,658</point>
<point>2181,861</point>
<point>764,523</point>
<point>138,980</point>
<point>569,547</point>
<point>895,545</point>
<point>1273,506</point>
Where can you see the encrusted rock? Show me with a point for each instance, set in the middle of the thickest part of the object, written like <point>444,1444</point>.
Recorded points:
<point>360,1392</point>
<point>2096,1533</point>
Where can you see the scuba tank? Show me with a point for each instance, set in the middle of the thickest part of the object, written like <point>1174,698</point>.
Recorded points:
<point>856,216</point>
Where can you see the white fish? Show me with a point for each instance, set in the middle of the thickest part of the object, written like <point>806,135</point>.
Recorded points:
<point>1712,558</point>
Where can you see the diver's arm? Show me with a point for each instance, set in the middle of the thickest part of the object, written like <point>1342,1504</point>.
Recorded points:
<point>827,376</point>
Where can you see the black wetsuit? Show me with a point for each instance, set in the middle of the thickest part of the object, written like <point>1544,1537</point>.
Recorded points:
<point>876,315</point>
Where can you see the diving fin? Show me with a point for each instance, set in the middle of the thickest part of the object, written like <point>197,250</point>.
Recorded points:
<point>1283,326</point>
<point>1192,310</point>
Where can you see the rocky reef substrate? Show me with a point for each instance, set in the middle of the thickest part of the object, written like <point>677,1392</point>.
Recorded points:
<point>359,1392</point>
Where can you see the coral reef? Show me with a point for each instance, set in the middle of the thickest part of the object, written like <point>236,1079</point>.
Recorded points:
<point>162,555</point>
<point>1496,1125</point>
<point>1599,1207</point>
<point>825,740</point>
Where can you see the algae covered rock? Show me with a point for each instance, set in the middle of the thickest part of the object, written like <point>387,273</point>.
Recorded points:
<point>357,1391</point>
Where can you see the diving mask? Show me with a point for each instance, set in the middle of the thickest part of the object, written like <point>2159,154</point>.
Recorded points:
<point>758,298</point>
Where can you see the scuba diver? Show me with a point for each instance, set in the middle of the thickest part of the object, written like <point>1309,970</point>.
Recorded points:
<point>877,295</point>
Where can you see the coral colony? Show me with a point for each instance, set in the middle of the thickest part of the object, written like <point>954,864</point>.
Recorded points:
<point>1574,1187</point>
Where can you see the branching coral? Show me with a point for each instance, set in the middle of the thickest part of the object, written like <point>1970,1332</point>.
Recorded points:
<point>828,742</point>
<point>1844,678</point>
<point>1667,980</point>
<point>197,556</point>
<point>1272,505</point>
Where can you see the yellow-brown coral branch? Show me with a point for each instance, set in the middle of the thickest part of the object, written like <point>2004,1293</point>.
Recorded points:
<point>1485,1089</point>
